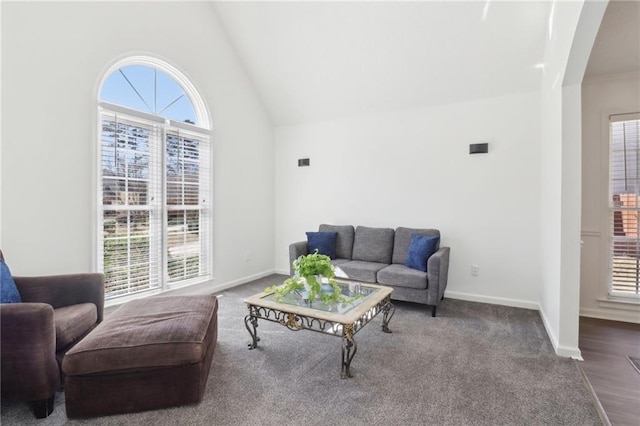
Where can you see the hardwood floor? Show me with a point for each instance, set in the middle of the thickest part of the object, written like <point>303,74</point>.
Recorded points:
<point>605,346</point>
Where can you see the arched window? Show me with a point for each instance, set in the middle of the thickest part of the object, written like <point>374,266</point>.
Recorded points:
<point>154,179</point>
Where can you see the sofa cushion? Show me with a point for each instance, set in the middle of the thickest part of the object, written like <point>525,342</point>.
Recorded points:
<point>402,240</point>
<point>373,244</point>
<point>158,331</point>
<point>338,262</point>
<point>324,242</point>
<point>344,239</point>
<point>361,271</point>
<point>402,276</point>
<point>73,322</point>
<point>8,290</point>
<point>420,250</point>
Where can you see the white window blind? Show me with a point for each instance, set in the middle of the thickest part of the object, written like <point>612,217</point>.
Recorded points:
<point>624,205</point>
<point>153,201</point>
<point>187,198</point>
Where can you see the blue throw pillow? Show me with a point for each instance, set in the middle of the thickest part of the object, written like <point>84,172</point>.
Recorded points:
<point>324,242</point>
<point>8,290</point>
<point>420,250</point>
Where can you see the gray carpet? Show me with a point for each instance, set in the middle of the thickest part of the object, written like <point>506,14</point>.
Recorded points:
<point>474,364</point>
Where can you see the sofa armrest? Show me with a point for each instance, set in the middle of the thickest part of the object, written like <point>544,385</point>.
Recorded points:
<point>437,274</point>
<point>64,290</point>
<point>295,251</point>
<point>28,351</point>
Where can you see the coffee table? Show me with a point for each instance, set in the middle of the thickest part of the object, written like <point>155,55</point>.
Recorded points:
<point>341,319</point>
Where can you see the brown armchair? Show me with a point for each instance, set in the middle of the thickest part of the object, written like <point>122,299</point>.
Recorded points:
<point>56,313</point>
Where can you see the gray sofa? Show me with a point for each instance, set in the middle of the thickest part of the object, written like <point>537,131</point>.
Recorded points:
<point>378,255</point>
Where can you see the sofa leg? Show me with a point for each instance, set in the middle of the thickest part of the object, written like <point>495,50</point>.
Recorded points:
<point>43,407</point>
<point>433,311</point>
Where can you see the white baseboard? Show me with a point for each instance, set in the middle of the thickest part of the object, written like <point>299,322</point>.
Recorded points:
<point>229,284</point>
<point>560,350</point>
<point>569,352</point>
<point>552,336</point>
<point>515,303</point>
<point>282,271</point>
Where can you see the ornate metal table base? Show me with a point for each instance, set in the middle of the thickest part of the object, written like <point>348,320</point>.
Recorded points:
<point>252,330</point>
<point>348,343</point>
<point>298,322</point>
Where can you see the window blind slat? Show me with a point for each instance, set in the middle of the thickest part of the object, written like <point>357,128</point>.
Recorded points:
<point>187,185</point>
<point>624,180</point>
<point>130,159</point>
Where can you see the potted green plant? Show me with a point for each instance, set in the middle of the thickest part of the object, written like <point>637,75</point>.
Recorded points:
<point>310,273</point>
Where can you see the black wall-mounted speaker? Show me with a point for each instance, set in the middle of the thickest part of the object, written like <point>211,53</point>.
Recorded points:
<point>478,148</point>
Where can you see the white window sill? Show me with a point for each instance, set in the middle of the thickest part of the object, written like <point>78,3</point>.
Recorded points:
<point>194,283</point>
<point>625,304</point>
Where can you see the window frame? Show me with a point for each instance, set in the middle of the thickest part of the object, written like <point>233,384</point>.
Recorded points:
<point>199,107</point>
<point>202,129</point>
<point>612,209</point>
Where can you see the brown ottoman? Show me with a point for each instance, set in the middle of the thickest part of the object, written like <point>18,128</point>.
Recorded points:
<point>150,353</point>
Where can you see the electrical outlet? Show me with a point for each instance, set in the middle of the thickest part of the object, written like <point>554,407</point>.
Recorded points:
<point>475,270</point>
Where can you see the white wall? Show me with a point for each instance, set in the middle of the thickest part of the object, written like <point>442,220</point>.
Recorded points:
<point>413,168</point>
<point>602,96</point>
<point>556,57</point>
<point>53,56</point>
<point>573,29</point>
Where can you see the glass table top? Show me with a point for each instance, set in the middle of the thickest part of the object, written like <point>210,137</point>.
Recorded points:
<point>353,294</point>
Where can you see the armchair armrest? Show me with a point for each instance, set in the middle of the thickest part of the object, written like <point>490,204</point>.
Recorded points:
<point>28,343</point>
<point>295,251</point>
<point>437,274</point>
<point>64,290</point>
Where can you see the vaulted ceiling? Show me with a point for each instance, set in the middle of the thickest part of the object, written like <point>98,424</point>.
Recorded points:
<point>616,49</point>
<point>314,61</point>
